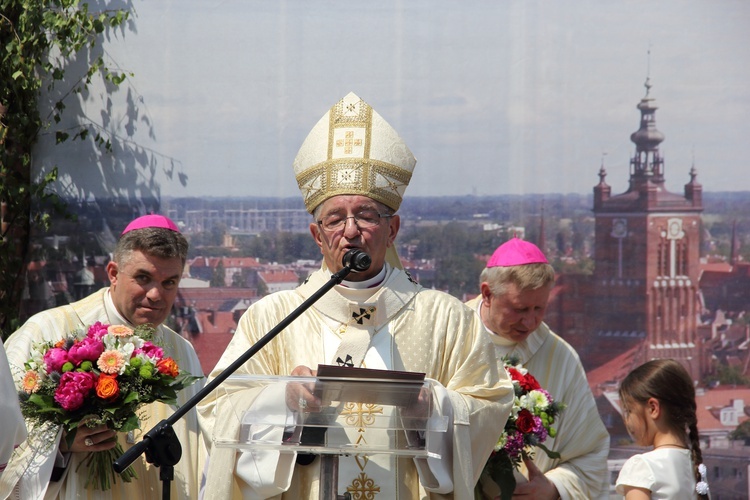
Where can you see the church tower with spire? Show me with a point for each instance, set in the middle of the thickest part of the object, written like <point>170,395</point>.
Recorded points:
<point>647,243</point>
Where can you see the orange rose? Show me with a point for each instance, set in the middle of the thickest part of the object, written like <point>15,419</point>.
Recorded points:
<point>107,386</point>
<point>168,366</point>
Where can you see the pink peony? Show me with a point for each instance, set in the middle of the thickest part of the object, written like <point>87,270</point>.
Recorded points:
<point>97,330</point>
<point>55,358</point>
<point>73,389</point>
<point>89,349</point>
<point>150,350</point>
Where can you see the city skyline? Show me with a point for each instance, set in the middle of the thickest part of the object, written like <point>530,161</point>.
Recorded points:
<point>507,98</point>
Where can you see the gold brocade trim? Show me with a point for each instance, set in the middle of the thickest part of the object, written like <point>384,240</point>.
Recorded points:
<point>353,176</point>
<point>360,415</point>
<point>349,142</point>
<point>361,461</point>
<point>344,116</point>
<point>363,488</point>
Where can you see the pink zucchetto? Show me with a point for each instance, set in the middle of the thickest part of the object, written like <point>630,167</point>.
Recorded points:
<point>151,220</point>
<point>516,252</point>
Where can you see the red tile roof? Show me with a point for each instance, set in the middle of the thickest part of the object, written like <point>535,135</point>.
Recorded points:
<point>607,377</point>
<point>710,403</point>
<point>214,298</point>
<point>278,276</point>
<point>212,262</point>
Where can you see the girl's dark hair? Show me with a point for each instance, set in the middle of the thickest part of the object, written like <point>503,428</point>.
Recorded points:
<point>668,381</point>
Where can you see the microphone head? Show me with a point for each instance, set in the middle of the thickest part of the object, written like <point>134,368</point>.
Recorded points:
<point>356,260</point>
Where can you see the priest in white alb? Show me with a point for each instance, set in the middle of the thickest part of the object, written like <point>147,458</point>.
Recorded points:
<point>352,170</point>
<point>515,288</point>
<point>144,275</point>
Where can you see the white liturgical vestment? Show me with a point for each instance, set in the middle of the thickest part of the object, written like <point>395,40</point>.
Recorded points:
<point>410,329</point>
<point>582,440</point>
<point>14,428</point>
<point>28,473</point>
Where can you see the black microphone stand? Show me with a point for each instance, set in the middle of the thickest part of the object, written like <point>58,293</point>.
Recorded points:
<point>161,445</point>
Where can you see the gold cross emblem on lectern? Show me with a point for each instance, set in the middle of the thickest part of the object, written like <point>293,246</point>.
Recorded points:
<point>361,415</point>
<point>363,487</point>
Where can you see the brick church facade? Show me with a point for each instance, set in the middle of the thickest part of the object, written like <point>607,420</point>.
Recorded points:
<point>642,298</point>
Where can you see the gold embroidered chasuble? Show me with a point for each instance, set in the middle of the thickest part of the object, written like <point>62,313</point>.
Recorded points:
<point>411,329</point>
<point>28,472</point>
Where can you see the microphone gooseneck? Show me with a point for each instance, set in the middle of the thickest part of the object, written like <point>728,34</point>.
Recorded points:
<point>356,260</point>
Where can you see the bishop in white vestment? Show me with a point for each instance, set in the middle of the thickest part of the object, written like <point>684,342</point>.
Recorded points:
<point>352,170</point>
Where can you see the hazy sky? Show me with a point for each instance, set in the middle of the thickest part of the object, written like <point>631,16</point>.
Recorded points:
<point>493,97</point>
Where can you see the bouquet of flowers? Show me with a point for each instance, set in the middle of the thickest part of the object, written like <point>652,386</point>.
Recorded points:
<point>99,376</point>
<point>529,424</point>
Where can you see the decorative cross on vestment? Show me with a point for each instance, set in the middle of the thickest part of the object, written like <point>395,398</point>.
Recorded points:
<point>355,336</point>
<point>345,362</point>
<point>354,322</point>
<point>348,142</point>
<point>362,315</point>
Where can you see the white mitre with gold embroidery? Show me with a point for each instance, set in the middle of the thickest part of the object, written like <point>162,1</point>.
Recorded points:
<point>353,150</point>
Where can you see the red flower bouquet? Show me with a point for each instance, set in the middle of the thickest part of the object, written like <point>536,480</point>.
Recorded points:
<point>529,424</point>
<point>99,376</point>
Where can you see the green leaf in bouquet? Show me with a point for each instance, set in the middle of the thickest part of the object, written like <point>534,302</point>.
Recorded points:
<point>112,409</point>
<point>550,453</point>
<point>70,436</point>
<point>169,396</point>
<point>43,401</point>
<point>131,423</point>
<point>185,381</point>
<point>132,396</point>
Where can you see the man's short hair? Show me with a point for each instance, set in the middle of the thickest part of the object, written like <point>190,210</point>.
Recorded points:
<point>525,277</point>
<point>155,241</point>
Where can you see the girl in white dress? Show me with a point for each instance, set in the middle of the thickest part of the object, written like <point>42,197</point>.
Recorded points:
<point>658,402</point>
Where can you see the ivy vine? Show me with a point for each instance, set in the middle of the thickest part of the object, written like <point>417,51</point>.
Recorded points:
<point>39,39</point>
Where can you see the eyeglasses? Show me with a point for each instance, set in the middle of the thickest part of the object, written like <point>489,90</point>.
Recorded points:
<point>364,220</point>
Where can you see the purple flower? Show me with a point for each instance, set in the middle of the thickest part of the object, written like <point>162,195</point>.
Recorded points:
<point>73,389</point>
<point>55,358</point>
<point>514,445</point>
<point>539,430</point>
<point>97,330</point>
<point>150,350</point>
<point>89,349</point>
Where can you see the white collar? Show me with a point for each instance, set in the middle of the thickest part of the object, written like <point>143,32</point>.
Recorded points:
<point>368,283</point>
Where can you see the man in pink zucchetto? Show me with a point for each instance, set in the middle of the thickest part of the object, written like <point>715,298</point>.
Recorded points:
<point>144,275</point>
<point>514,292</point>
